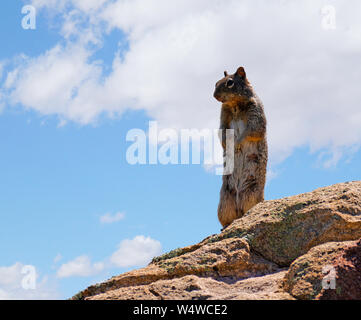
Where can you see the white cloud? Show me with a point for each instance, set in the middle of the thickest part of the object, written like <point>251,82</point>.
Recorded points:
<point>2,103</point>
<point>136,252</point>
<point>111,218</point>
<point>10,275</point>
<point>271,174</point>
<point>79,267</point>
<point>50,83</point>
<point>130,253</point>
<point>57,258</point>
<point>2,98</point>
<point>59,5</point>
<point>2,64</point>
<point>88,5</point>
<point>308,77</point>
<point>12,285</point>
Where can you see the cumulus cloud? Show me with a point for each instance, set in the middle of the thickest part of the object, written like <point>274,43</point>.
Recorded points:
<point>130,253</point>
<point>111,218</point>
<point>79,267</point>
<point>135,252</point>
<point>307,76</point>
<point>51,82</point>
<point>14,284</point>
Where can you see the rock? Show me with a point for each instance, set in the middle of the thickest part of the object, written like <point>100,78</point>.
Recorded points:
<point>247,260</point>
<point>340,260</point>
<point>228,258</point>
<point>268,287</point>
<point>282,230</point>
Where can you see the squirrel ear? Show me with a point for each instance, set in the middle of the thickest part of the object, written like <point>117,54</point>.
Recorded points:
<point>241,72</point>
<point>225,73</point>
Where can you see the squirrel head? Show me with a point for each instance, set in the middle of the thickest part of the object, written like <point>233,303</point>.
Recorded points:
<point>233,89</point>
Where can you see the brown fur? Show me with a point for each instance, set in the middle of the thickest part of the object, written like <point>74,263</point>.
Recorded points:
<point>242,111</point>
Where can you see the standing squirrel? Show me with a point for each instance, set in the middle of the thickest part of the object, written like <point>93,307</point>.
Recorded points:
<point>243,112</point>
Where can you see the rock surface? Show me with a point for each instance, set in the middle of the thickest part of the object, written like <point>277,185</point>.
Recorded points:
<point>277,250</point>
<point>199,288</point>
<point>340,261</point>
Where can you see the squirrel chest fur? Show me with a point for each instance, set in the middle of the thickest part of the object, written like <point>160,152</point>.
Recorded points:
<point>243,112</point>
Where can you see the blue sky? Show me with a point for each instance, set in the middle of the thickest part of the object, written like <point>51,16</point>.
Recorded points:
<point>63,163</point>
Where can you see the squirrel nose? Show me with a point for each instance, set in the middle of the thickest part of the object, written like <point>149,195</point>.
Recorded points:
<point>217,96</point>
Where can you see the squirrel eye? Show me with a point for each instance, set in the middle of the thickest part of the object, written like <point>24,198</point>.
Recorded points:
<point>230,83</point>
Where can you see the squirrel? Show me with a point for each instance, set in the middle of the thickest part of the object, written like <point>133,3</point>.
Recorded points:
<point>242,111</point>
